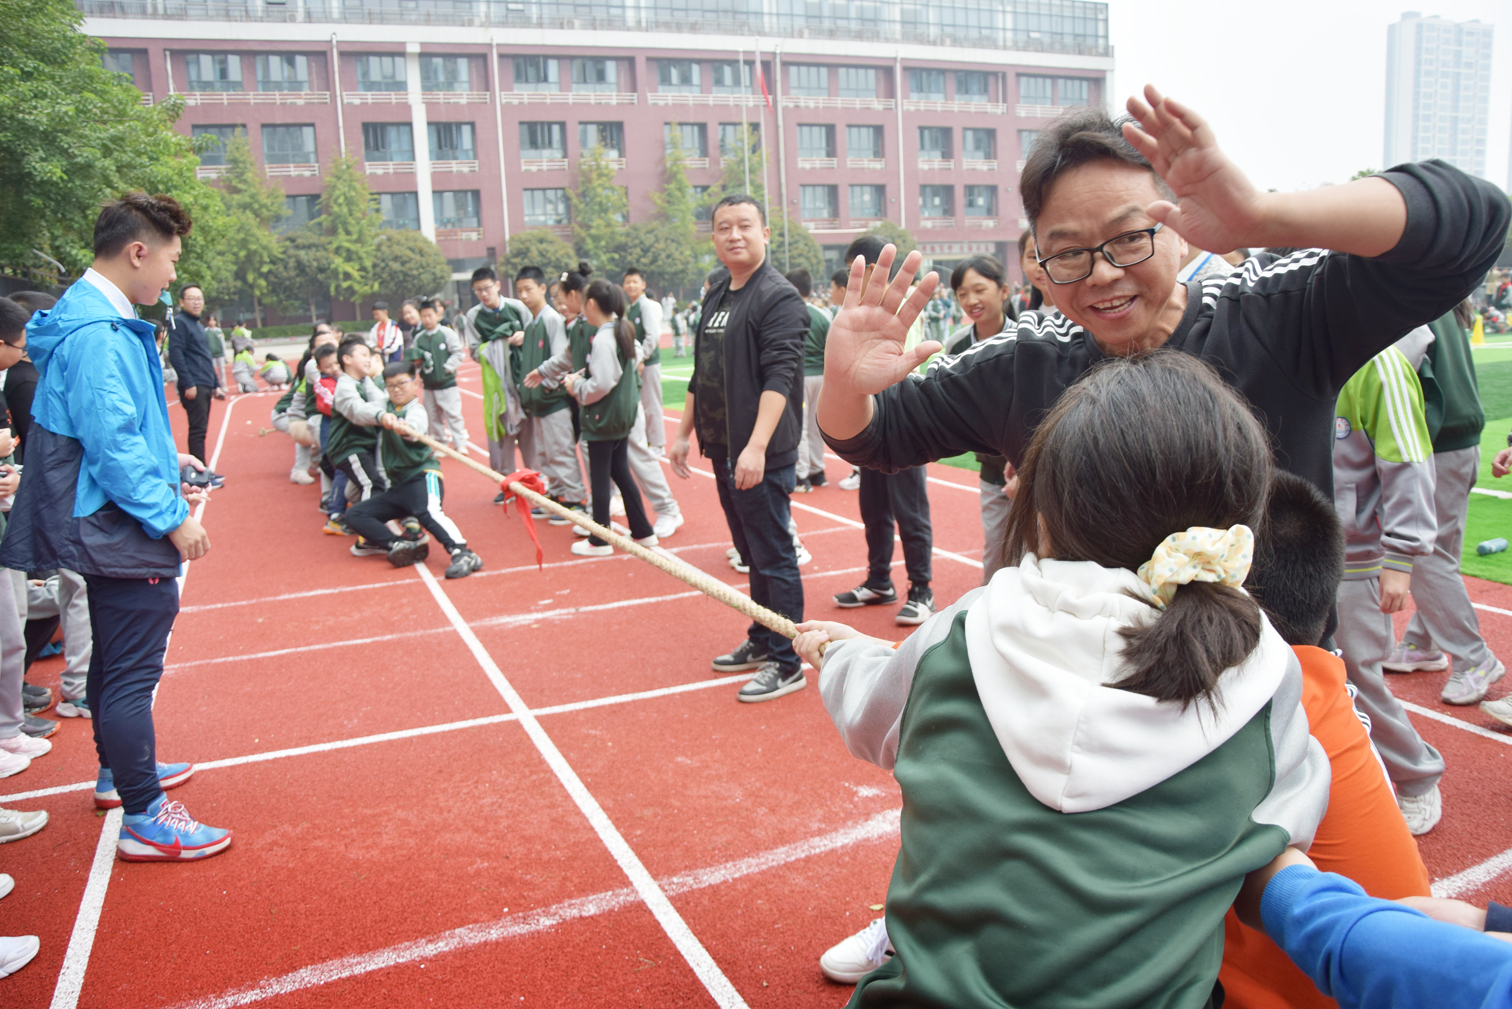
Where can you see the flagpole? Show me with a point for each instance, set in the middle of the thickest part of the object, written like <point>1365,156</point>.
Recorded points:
<point>766,189</point>
<point>745,130</point>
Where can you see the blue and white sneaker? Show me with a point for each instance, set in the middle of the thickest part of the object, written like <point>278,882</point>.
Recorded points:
<point>167,833</point>
<point>169,776</point>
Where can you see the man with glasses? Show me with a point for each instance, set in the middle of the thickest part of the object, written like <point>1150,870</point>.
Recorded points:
<point>198,377</point>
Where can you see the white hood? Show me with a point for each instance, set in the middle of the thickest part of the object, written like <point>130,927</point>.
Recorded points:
<point>1044,643</point>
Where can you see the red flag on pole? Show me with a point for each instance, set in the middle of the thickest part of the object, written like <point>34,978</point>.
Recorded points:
<point>761,80</point>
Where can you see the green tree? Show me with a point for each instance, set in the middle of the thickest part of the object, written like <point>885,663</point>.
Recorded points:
<point>409,266</point>
<point>661,249</point>
<point>599,211</point>
<point>302,273</point>
<point>799,252</point>
<point>351,223</point>
<point>891,231</point>
<point>676,201</point>
<point>1363,173</point>
<point>254,205</point>
<point>732,178</point>
<point>540,247</point>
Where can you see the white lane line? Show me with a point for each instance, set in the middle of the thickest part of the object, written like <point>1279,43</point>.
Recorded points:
<point>1504,495</point>
<point>879,827</point>
<point>1492,609</point>
<point>1475,877</point>
<point>1439,716</point>
<point>698,958</point>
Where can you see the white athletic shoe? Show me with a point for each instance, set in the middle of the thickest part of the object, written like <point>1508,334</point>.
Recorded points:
<point>585,549</point>
<point>297,475</point>
<point>1406,658</point>
<point>648,541</point>
<point>1469,685</point>
<point>1422,812</point>
<point>6,884</point>
<point>803,555</point>
<point>732,553</point>
<point>12,763</point>
<point>14,825</point>
<point>617,505</point>
<point>1499,709</point>
<point>23,745</point>
<point>852,482</point>
<point>668,524</point>
<point>16,952</point>
<point>854,957</point>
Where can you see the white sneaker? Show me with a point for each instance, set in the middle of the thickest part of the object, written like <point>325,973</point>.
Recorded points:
<point>732,554</point>
<point>1499,709</point>
<point>648,541</point>
<point>617,505</point>
<point>6,884</point>
<point>851,959</point>
<point>12,763</point>
<point>16,952</point>
<point>1422,812</point>
<point>23,745</point>
<point>666,525</point>
<point>1469,685</point>
<point>852,482</point>
<point>585,549</point>
<point>1407,658</point>
<point>803,555</point>
<point>297,475</point>
<point>14,825</point>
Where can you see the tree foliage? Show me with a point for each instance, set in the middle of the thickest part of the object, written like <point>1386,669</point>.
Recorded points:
<point>254,205</point>
<point>801,251</point>
<point>408,265</point>
<point>600,209</point>
<point>676,202</point>
<point>661,250</point>
<point>540,247</point>
<point>892,231</point>
<point>351,222</point>
<point>732,178</point>
<point>301,276</point>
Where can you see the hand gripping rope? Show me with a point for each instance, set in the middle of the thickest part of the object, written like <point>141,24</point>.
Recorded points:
<point>526,486</point>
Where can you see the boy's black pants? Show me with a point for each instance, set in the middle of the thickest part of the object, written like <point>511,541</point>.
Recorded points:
<point>419,496</point>
<point>362,469</point>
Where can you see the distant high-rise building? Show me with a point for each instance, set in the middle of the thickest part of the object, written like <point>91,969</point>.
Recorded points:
<point>1438,91</point>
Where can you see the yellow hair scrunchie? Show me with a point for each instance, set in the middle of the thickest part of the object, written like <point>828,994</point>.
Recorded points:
<point>1199,554</point>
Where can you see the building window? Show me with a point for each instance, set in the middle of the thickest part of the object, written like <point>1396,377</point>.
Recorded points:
<point>213,71</point>
<point>1036,90</point>
<point>1026,141</point>
<point>289,145</point>
<point>816,141</point>
<point>981,201</point>
<point>451,141</point>
<point>817,203</point>
<point>595,75</point>
<point>215,152</point>
<point>280,72</point>
<point>978,144</point>
<point>535,73</point>
<point>609,136</point>
<point>302,211</point>
<point>381,73</point>
<point>971,86</point>
<point>936,201</point>
<point>693,138</point>
<point>730,77</point>
<point>863,141</point>
<point>729,138</point>
<point>1073,91</point>
<point>400,211</point>
<point>934,143</point>
<point>806,79</point>
<point>867,201</point>
<point>118,62</point>
<point>858,82</point>
<point>543,140</point>
<point>388,142</point>
<point>444,73</point>
<point>701,210</point>
<point>926,85</point>
<point>546,207</point>
<point>456,208</point>
<point>677,77</point>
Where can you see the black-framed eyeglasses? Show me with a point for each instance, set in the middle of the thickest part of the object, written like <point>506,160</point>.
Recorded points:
<point>1127,249</point>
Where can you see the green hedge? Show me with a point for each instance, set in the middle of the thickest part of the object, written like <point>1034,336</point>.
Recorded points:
<point>277,332</point>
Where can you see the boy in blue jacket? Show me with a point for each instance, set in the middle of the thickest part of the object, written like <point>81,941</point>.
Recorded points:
<point>102,497</point>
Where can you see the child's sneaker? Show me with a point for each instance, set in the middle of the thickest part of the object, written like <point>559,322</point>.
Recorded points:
<point>648,541</point>
<point>16,951</point>
<point>562,520</point>
<point>299,476</point>
<point>34,699</point>
<point>585,549</point>
<point>748,655</point>
<point>38,728</point>
<point>403,553</point>
<point>14,824</point>
<point>866,595</point>
<point>1408,658</point>
<point>770,683</point>
<point>337,526</point>
<point>803,487</point>
<point>412,530</point>
<point>1499,709</point>
<point>856,956</point>
<point>852,482</point>
<point>12,763</point>
<point>23,745</point>
<point>1422,812</point>
<point>919,608</point>
<point>1469,685</point>
<point>78,707</point>
<point>167,833</point>
<point>739,564</point>
<point>463,563</point>
<point>362,548</point>
<point>169,776</point>
<point>818,479</point>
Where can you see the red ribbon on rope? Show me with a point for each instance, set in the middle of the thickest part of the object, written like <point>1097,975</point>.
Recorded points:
<point>531,480</point>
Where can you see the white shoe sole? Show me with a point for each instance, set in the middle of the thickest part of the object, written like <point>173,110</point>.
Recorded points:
<point>913,621</point>
<point>1416,667</point>
<point>772,695</point>
<point>27,833</point>
<point>131,850</point>
<point>21,957</point>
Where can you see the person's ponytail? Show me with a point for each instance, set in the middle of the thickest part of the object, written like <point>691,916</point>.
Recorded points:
<point>1207,628</point>
<point>610,300</point>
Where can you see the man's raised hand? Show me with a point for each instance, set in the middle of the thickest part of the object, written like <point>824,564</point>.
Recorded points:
<point>865,350</point>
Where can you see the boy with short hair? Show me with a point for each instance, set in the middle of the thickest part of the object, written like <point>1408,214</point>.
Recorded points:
<point>244,371</point>
<point>274,371</point>
<point>439,351</point>
<point>811,443</point>
<point>385,337</point>
<point>546,441</point>
<point>491,327</point>
<point>355,407</point>
<point>415,486</point>
<point>646,315</point>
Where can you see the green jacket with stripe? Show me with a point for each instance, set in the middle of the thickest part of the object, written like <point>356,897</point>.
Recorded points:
<point>608,394</point>
<point>545,338</point>
<point>400,458</point>
<point>647,316</point>
<point>1065,843</point>
<point>1451,394</point>
<point>1383,464</point>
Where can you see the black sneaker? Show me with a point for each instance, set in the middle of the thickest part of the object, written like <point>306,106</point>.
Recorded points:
<point>464,562</point>
<point>562,520</point>
<point>748,656</point>
<point>35,699</point>
<point>412,530</point>
<point>771,683</point>
<point>866,595</point>
<point>818,480</point>
<point>919,608</point>
<point>362,548</point>
<point>38,728</point>
<point>403,553</point>
<point>803,487</point>
<point>499,498</point>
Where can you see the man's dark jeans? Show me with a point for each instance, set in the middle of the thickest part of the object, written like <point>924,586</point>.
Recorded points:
<point>198,412</point>
<point>758,520</point>
<point>901,497</point>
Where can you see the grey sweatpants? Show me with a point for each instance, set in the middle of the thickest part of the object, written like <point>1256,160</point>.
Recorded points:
<point>443,409</point>
<point>810,441</point>
<point>557,458</point>
<point>1444,615</point>
<point>646,465</point>
<point>995,508</point>
<point>651,403</point>
<point>1366,636</point>
<point>78,638</point>
<point>12,652</point>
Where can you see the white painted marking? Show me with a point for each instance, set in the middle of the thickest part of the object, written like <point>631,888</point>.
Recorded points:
<point>1492,609</point>
<point>1475,877</point>
<point>1439,716</point>
<point>698,958</point>
<point>1504,495</point>
<point>87,922</point>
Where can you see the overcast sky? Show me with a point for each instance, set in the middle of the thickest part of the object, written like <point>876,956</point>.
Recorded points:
<point>1295,90</point>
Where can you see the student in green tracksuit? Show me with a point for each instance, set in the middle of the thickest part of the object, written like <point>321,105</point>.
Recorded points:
<point>546,436</point>
<point>439,351</point>
<point>490,328</point>
<point>646,316</point>
<point>811,443</point>
<point>608,394</point>
<point>1096,748</point>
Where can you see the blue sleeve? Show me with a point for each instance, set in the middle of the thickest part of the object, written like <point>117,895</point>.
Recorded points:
<point>1363,952</point>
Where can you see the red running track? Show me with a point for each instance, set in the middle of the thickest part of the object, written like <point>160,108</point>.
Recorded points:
<point>520,788</point>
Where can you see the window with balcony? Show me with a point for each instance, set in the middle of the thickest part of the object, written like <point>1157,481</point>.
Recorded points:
<point>282,72</point>
<point>118,61</point>
<point>535,73</point>
<point>302,211</point>
<point>816,141</point>
<point>934,143</point>
<point>868,202</point>
<point>701,210</point>
<point>388,142</point>
<point>971,86</point>
<point>289,145</point>
<point>817,203</point>
<point>981,201</point>
<point>858,82</point>
<point>543,140</point>
<point>381,73</point>
<point>1035,90</point>
<point>608,136</point>
<point>456,208</point>
<point>451,142</point>
<point>807,79</point>
<point>213,71</point>
<point>926,85</point>
<point>729,138</point>
<point>595,75</point>
<point>220,138</point>
<point>400,211</point>
<point>1073,91</point>
<point>978,144</point>
<point>730,78</point>
<point>677,77</point>
<point>691,138</point>
<point>863,142</point>
<point>546,208</point>
<point>445,73</point>
<point>1026,141</point>
<point>936,201</point>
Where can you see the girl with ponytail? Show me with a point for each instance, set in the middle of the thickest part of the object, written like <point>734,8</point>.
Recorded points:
<point>1096,747</point>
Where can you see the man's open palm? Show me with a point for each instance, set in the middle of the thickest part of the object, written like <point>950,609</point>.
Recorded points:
<point>865,350</point>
